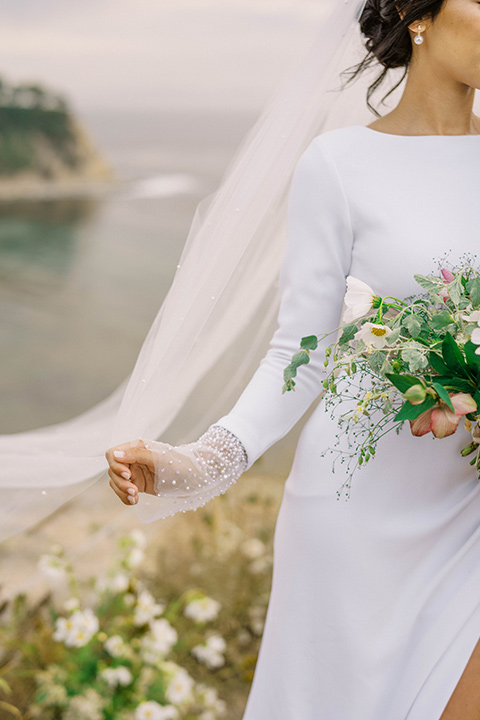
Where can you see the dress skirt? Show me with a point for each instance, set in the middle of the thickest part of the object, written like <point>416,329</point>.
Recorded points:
<point>375,603</point>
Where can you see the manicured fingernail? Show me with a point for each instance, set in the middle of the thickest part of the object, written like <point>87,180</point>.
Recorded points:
<point>126,475</point>
<point>131,499</point>
<point>119,453</point>
<point>131,491</point>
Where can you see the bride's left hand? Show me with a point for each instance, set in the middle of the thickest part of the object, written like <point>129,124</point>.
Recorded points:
<point>131,470</point>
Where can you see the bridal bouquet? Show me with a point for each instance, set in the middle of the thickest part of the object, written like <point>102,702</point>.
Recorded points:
<point>415,360</point>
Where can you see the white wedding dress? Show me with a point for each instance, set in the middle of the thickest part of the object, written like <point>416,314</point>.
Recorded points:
<point>375,603</point>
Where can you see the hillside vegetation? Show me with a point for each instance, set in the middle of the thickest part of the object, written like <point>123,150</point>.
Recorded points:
<point>40,140</point>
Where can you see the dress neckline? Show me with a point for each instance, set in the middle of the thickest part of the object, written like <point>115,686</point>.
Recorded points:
<point>396,135</point>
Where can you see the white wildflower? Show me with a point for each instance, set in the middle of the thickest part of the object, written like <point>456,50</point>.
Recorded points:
<point>53,695</point>
<point>151,710</point>
<point>77,630</point>
<point>359,300</point>
<point>53,567</point>
<point>135,557</point>
<point>253,548</point>
<point>208,696</point>
<point>203,609</point>
<point>139,539</point>
<point>261,565</point>
<point>180,687</point>
<point>228,537</point>
<point>210,652</point>
<point>71,604</point>
<point>115,646</point>
<point>159,641</point>
<point>146,608</point>
<point>117,676</point>
<point>85,707</point>
<point>119,582</point>
<point>373,335</point>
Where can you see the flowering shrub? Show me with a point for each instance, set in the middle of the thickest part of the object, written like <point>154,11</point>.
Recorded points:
<point>117,649</point>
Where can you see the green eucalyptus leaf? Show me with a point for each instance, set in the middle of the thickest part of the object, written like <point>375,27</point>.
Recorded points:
<point>300,358</point>
<point>309,343</point>
<point>289,373</point>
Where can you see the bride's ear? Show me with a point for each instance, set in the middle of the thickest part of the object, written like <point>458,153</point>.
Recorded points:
<point>414,25</point>
<point>419,26</point>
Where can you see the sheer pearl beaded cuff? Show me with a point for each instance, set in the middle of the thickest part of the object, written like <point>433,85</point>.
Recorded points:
<point>190,475</point>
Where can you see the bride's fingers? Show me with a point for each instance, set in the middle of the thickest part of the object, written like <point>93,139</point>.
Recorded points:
<point>124,497</point>
<point>124,489</point>
<point>140,455</point>
<point>117,452</point>
<point>122,470</point>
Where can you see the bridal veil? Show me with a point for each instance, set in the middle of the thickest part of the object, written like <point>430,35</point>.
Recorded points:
<point>217,319</point>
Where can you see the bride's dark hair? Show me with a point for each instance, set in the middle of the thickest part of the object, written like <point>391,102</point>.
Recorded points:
<point>388,39</point>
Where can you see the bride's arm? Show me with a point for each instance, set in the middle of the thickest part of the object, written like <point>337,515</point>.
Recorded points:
<point>312,286</point>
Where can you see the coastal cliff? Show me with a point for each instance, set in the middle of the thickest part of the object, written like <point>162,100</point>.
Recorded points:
<point>44,150</point>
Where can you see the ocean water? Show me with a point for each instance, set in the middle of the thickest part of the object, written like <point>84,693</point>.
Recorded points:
<point>82,279</point>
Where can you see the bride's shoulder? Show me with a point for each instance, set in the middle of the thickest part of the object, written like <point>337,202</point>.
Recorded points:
<point>341,139</point>
<point>340,143</point>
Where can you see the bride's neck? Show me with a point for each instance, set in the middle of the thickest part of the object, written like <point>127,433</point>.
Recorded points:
<point>432,104</point>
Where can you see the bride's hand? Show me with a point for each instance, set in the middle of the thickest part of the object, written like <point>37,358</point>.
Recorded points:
<point>203,468</point>
<point>131,470</point>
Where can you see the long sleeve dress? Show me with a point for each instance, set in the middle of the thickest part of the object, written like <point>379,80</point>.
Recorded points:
<point>375,603</point>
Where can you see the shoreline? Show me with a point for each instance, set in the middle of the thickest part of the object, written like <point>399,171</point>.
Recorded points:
<point>13,190</point>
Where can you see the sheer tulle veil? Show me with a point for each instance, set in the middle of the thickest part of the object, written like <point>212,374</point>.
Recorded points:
<point>219,314</point>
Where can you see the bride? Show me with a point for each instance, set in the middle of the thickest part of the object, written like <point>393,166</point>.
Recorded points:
<point>375,609</point>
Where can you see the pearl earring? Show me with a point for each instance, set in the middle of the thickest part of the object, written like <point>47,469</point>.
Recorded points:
<point>418,39</point>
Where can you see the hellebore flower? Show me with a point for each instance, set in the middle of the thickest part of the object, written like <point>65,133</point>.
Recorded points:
<point>440,420</point>
<point>359,300</point>
<point>373,335</point>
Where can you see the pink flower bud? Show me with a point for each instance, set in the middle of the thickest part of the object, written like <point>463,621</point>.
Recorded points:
<point>448,276</point>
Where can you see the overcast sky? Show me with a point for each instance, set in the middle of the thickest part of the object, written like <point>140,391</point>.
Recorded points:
<point>112,54</point>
